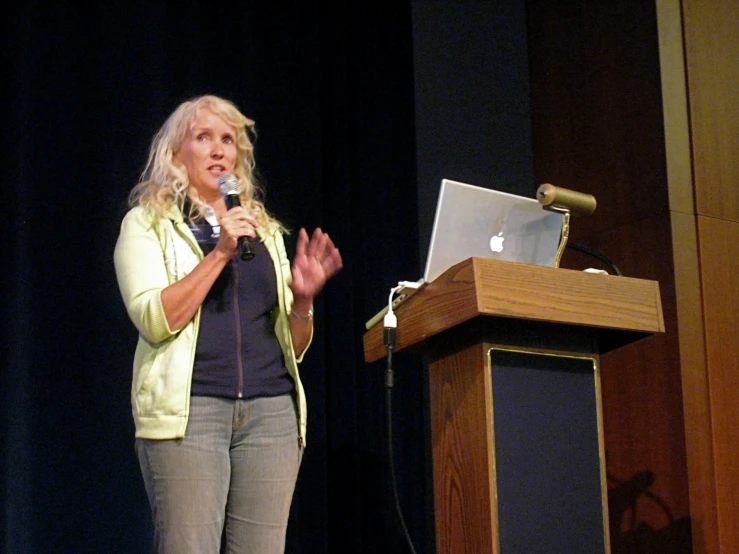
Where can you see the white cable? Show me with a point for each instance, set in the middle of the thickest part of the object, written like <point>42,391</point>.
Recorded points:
<point>390,320</point>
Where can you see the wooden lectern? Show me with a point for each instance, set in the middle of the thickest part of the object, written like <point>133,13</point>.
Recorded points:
<point>516,420</point>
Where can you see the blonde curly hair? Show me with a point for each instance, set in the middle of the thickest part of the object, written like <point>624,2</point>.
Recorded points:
<point>164,183</point>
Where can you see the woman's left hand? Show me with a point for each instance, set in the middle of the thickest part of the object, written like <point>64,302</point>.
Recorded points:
<point>316,261</point>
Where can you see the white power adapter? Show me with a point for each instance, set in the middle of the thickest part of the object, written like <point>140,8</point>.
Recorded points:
<point>403,290</point>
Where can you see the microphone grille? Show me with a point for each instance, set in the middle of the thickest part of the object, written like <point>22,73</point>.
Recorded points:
<point>228,184</point>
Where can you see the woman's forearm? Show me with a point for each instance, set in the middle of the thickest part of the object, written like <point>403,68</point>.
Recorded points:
<point>301,324</point>
<point>182,299</point>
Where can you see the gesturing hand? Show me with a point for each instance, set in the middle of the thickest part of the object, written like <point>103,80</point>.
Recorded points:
<point>316,261</point>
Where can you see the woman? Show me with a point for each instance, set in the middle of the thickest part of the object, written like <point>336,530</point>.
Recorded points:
<point>217,401</point>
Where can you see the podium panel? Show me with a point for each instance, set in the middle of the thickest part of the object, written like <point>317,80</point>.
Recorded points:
<point>548,454</point>
<point>517,443</point>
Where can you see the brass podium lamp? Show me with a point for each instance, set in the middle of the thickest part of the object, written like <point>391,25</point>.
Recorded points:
<point>564,201</point>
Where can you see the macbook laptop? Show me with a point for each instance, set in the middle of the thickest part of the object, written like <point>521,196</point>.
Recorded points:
<point>472,221</point>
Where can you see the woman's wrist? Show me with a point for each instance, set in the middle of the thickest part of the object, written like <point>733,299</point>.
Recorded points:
<point>308,315</point>
<point>302,309</point>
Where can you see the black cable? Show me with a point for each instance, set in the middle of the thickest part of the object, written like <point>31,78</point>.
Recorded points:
<point>390,333</point>
<point>595,254</point>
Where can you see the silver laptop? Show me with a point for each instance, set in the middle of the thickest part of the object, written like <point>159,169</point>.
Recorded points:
<point>473,221</point>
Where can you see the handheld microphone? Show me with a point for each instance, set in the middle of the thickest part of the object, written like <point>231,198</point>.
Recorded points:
<point>228,185</point>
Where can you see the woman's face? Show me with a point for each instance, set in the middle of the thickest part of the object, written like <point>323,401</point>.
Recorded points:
<point>207,152</point>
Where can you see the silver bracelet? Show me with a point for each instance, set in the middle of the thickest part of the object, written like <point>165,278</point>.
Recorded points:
<point>308,317</point>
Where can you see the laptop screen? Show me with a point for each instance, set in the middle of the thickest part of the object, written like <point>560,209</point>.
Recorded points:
<point>473,221</point>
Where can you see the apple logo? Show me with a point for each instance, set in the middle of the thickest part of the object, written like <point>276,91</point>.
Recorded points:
<point>496,242</point>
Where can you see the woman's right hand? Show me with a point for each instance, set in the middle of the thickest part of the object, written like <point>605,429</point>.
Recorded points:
<point>182,299</point>
<point>235,223</point>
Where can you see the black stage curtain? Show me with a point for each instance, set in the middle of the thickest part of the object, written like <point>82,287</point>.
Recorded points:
<point>330,86</point>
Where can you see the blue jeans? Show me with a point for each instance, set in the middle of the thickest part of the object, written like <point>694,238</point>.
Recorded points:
<point>236,467</point>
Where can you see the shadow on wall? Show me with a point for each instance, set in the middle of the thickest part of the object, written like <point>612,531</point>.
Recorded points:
<point>631,536</point>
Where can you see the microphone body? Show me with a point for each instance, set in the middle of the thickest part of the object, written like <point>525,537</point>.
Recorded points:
<point>229,187</point>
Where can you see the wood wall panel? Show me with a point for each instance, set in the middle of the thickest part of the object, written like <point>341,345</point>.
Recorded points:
<point>675,107</point>
<point>595,129</point>
<point>596,106</point>
<point>597,126</point>
<point>720,277</point>
<point>712,51</point>
<point>705,251</point>
<point>696,395</point>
